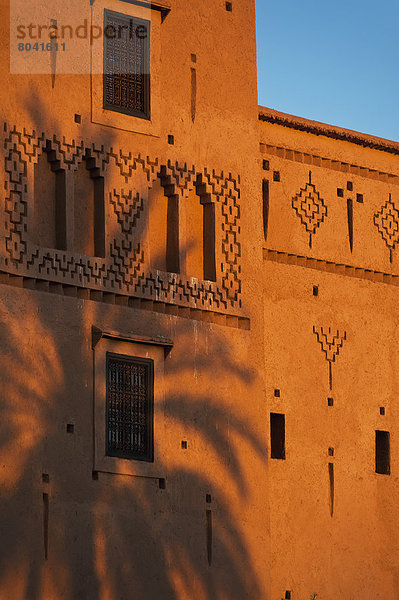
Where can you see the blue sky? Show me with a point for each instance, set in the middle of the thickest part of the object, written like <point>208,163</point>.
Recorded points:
<point>336,62</point>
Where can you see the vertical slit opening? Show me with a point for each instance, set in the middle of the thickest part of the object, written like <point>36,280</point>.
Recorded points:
<point>277,436</point>
<point>331,478</point>
<point>45,524</point>
<point>382,452</point>
<point>209,536</point>
<point>265,192</point>
<point>193,93</point>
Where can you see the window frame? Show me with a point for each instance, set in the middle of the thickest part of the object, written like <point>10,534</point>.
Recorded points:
<point>132,345</point>
<point>149,457</point>
<point>146,114</point>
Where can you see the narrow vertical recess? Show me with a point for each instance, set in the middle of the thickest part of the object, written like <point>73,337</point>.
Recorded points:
<point>172,236</point>
<point>84,211</point>
<point>209,242</point>
<point>157,225</point>
<point>193,93</point>
<point>49,209</point>
<point>350,222</point>
<point>331,477</point>
<point>54,46</point>
<point>60,210</point>
<point>277,436</point>
<point>330,378</point>
<point>209,536</point>
<point>382,453</point>
<point>265,192</point>
<point>45,524</point>
<point>194,238</point>
<point>99,217</point>
<point>89,210</point>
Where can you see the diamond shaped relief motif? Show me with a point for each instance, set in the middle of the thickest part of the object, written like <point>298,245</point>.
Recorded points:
<point>387,222</point>
<point>310,208</point>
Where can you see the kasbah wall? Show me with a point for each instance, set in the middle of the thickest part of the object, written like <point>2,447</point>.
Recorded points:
<point>285,304</point>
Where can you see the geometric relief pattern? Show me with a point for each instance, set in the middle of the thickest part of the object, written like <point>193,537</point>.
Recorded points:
<point>387,222</point>
<point>331,341</point>
<point>124,268</point>
<point>127,208</point>
<point>310,208</point>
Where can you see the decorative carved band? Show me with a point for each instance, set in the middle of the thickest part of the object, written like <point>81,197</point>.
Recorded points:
<point>328,163</point>
<point>71,291</point>
<point>330,267</point>
<point>124,269</point>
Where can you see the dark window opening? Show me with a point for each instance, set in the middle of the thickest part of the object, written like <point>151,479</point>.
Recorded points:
<point>382,453</point>
<point>129,406</point>
<point>276,176</point>
<point>126,64</point>
<point>277,436</point>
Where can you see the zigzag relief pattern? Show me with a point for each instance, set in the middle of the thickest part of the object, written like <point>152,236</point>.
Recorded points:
<point>128,208</point>
<point>124,267</point>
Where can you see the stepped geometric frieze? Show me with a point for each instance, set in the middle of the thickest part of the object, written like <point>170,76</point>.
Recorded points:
<point>123,268</point>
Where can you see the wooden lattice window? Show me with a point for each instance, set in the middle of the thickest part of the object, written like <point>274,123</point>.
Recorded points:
<point>129,407</point>
<point>126,64</point>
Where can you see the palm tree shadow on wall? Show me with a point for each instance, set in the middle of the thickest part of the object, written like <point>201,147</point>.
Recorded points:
<point>67,536</point>
<point>118,537</point>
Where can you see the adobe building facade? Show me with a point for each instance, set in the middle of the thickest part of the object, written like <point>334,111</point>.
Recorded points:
<point>198,313</point>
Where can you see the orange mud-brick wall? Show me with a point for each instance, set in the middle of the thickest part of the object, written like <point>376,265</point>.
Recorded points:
<point>330,203</point>
<point>197,320</point>
<point>130,261</point>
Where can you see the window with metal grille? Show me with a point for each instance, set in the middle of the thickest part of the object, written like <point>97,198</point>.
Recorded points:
<point>126,64</point>
<point>129,407</point>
